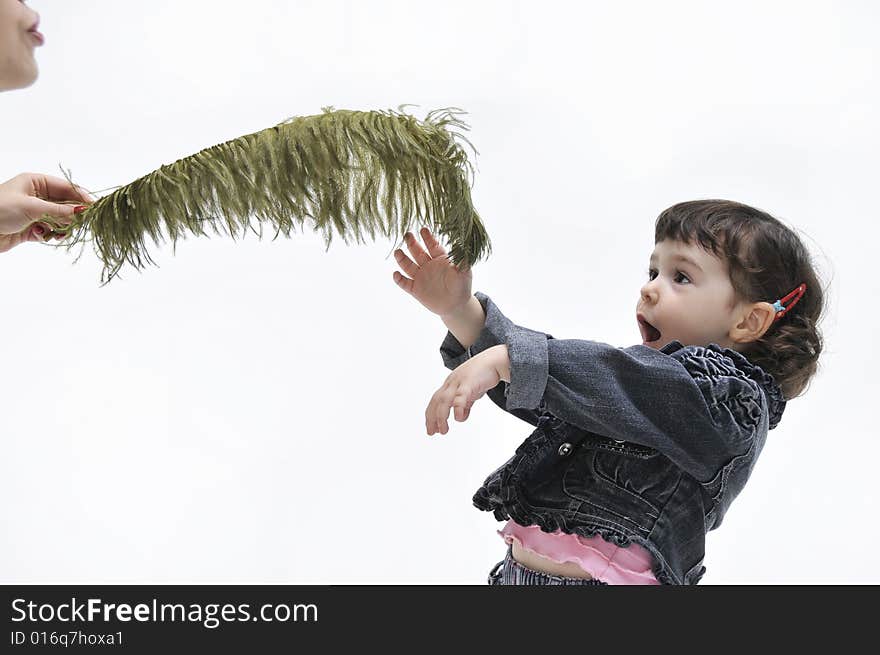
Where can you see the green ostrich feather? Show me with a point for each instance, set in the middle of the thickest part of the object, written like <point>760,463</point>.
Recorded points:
<point>352,172</point>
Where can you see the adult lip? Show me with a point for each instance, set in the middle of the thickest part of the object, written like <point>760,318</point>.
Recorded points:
<point>38,35</point>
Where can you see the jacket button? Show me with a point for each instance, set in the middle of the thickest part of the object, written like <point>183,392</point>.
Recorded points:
<point>565,449</point>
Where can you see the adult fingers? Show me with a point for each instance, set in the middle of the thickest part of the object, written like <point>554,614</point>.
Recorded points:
<point>42,232</point>
<point>49,187</point>
<point>9,241</point>
<point>38,232</point>
<point>416,249</point>
<point>35,208</point>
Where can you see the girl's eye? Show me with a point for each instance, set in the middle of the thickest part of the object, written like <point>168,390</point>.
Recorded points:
<point>651,271</point>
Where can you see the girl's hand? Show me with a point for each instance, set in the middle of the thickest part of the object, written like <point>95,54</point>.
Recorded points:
<point>433,280</point>
<point>27,198</point>
<point>464,386</point>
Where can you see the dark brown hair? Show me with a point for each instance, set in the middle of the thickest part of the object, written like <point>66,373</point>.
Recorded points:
<point>766,260</point>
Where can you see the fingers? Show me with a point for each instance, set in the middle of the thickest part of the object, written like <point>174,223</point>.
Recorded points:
<point>35,208</point>
<point>35,232</point>
<point>416,249</point>
<point>437,414</point>
<point>449,396</point>
<point>38,232</point>
<point>432,412</point>
<point>419,254</point>
<point>409,266</point>
<point>434,247</point>
<point>403,282</point>
<point>43,233</point>
<point>50,188</point>
<point>9,241</point>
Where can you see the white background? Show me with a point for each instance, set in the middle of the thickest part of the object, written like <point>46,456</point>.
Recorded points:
<point>253,411</point>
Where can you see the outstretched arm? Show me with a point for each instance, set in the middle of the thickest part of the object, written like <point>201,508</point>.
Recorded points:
<point>698,411</point>
<point>497,330</point>
<point>695,408</point>
<point>429,277</point>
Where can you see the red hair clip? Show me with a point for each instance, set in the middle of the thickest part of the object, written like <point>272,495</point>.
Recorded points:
<point>797,294</point>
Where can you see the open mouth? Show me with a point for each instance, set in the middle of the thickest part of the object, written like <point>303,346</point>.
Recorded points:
<point>650,334</point>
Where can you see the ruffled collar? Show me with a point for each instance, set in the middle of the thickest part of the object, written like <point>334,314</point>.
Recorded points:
<point>772,391</point>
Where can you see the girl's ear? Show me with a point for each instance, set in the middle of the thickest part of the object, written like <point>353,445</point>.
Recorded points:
<point>757,320</point>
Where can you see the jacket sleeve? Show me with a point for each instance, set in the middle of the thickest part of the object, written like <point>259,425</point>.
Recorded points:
<point>697,411</point>
<point>497,330</point>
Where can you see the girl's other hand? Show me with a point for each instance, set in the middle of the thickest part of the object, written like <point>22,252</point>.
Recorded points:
<point>27,198</point>
<point>462,388</point>
<point>433,280</point>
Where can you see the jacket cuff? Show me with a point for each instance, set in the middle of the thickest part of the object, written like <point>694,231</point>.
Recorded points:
<point>494,333</point>
<point>529,368</point>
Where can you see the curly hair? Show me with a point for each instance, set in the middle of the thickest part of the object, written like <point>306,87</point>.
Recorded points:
<point>766,260</point>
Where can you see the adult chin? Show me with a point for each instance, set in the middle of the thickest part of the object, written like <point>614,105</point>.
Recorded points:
<point>20,77</point>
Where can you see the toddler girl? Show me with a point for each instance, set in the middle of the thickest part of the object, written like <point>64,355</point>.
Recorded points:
<point>637,452</point>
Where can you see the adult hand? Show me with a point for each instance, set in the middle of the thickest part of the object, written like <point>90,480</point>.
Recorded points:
<point>29,197</point>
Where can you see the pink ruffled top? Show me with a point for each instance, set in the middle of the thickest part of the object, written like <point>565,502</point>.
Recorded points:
<point>601,559</point>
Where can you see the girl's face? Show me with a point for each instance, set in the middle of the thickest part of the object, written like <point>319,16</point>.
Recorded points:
<point>18,22</point>
<point>691,301</point>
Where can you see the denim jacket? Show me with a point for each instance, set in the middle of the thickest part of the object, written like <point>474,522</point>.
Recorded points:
<point>635,444</point>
